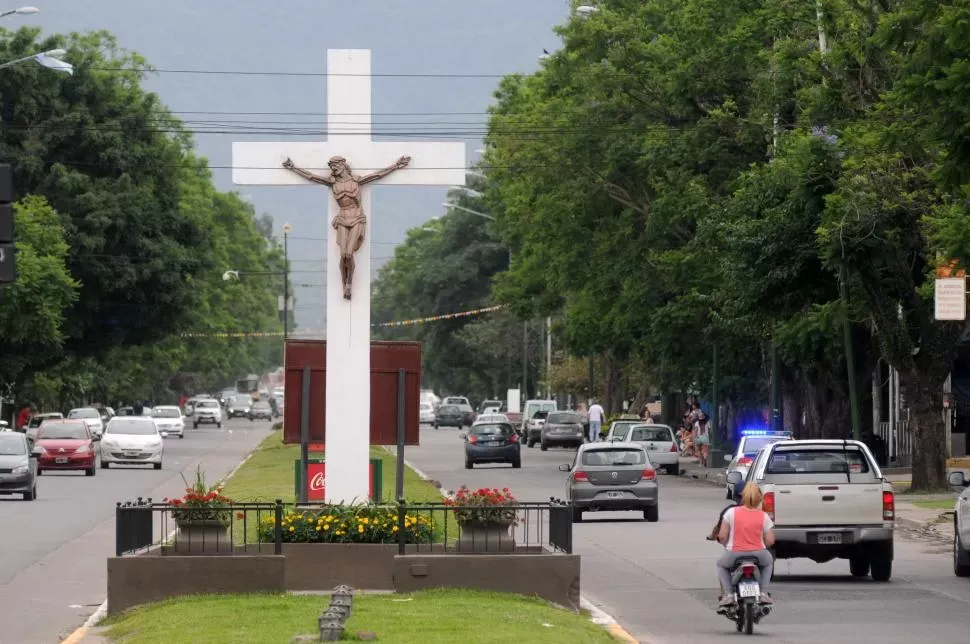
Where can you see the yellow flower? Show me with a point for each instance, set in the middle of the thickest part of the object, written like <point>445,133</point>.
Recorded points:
<point>317,528</point>
<point>326,526</point>
<point>360,529</point>
<point>292,529</point>
<point>394,529</point>
<point>365,520</point>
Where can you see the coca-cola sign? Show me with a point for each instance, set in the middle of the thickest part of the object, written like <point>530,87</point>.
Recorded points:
<point>317,481</point>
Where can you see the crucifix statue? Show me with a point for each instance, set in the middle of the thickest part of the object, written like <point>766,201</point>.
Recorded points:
<point>350,222</point>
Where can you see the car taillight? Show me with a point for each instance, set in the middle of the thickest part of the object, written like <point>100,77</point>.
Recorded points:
<point>579,475</point>
<point>514,438</point>
<point>673,447</point>
<point>768,504</point>
<point>888,506</point>
<point>648,475</point>
<point>747,571</point>
<point>744,460</point>
<point>473,439</point>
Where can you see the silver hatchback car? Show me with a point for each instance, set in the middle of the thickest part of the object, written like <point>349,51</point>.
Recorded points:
<point>612,477</point>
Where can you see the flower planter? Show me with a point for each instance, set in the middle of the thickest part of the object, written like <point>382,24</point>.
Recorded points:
<point>485,538</point>
<point>202,538</point>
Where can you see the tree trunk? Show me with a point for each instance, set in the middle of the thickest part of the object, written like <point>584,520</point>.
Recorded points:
<point>613,390</point>
<point>928,429</point>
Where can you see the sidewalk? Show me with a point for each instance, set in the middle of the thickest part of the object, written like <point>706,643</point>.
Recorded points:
<point>934,523</point>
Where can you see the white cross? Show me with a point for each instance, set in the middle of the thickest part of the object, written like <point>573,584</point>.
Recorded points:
<point>348,321</point>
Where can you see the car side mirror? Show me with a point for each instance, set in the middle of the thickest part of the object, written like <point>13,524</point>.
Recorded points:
<point>462,435</point>
<point>564,468</point>
<point>957,479</point>
<point>734,478</point>
<point>728,458</point>
<point>37,452</point>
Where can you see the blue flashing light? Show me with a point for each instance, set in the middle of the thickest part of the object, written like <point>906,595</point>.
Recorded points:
<point>763,432</point>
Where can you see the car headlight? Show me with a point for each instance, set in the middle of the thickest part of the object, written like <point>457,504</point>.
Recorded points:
<point>155,445</point>
<point>20,470</point>
<point>83,449</point>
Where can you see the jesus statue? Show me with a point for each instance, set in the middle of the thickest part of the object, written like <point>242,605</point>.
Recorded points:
<point>351,221</point>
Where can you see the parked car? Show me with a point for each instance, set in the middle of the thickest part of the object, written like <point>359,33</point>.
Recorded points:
<point>468,412</point>
<point>239,407</point>
<point>207,412</point>
<point>427,415</point>
<point>751,442</point>
<point>533,427</point>
<point>65,445</point>
<point>132,440</point>
<point>492,443</point>
<point>261,411</point>
<point>18,466</point>
<point>610,477</point>
<point>36,420</point>
<point>561,429</point>
<point>92,417</point>
<point>660,443</point>
<point>619,428</point>
<point>961,525</point>
<point>829,500</point>
<point>449,416</point>
<point>169,420</point>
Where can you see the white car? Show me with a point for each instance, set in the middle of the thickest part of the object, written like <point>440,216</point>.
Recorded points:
<point>132,440</point>
<point>207,411</point>
<point>91,418</point>
<point>169,420</point>
<point>491,419</point>
<point>659,442</point>
<point>752,441</point>
<point>427,414</point>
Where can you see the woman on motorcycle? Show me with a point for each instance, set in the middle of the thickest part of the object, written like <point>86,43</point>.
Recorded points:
<point>746,531</point>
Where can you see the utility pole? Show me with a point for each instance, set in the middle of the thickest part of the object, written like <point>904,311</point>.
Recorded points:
<point>776,424</point>
<point>592,377</point>
<point>716,412</point>
<point>548,357</point>
<point>286,280</point>
<point>849,354</point>
<point>525,361</point>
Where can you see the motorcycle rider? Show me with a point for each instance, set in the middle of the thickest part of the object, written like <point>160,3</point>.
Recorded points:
<point>746,531</point>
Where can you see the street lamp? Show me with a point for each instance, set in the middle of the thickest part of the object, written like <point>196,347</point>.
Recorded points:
<point>469,191</point>
<point>49,59</point>
<point>22,11</point>
<point>451,204</point>
<point>586,10</point>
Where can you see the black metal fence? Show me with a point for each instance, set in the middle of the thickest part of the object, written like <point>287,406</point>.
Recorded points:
<point>144,526</point>
<point>240,528</point>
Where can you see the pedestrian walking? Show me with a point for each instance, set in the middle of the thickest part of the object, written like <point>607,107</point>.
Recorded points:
<point>596,415</point>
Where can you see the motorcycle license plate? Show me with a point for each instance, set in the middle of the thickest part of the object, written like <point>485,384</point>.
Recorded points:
<point>830,538</point>
<point>749,589</point>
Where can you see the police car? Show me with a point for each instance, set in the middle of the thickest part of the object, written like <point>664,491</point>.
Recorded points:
<point>751,442</point>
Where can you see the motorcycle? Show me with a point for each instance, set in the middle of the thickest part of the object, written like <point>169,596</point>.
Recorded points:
<point>747,609</point>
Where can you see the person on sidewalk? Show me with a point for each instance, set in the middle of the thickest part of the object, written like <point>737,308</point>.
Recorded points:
<point>746,531</point>
<point>596,415</point>
<point>702,432</point>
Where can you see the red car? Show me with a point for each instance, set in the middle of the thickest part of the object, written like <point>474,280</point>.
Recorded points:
<point>66,445</point>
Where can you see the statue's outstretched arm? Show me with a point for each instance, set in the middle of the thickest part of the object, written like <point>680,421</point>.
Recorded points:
<point>380,174</point>
<point>309,176</point>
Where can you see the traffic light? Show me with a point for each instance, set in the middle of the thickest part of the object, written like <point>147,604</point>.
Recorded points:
<point>8,266</point>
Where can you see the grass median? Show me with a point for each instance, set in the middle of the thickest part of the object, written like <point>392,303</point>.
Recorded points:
<point>429,617</point>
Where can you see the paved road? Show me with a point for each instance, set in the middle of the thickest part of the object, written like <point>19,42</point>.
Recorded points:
<point>658,580</point>
<point>53,550</point>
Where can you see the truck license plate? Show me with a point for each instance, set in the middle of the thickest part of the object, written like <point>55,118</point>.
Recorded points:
<point>749,589</point>
<point>830,538</point>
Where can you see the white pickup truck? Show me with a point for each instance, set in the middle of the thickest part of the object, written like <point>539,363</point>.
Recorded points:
<point>829,500</point>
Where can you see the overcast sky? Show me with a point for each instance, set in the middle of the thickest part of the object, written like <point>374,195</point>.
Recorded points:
<point>484,39</point>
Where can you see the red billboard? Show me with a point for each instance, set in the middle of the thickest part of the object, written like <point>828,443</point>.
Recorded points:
<point>386,359</point>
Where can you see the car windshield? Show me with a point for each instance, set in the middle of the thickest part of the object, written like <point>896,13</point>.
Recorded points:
<point>753,444</point>
<point>614,457</point>
<point>14,445</point>
<point>207,403</point>
<point>818,461</point>
<point>84,413</point>
<point>131,426</point>
<point>261,405</point>
<point>37,420</point>
<point>62,431</point>
<point>563,418</point>
<point>448,409</point>
<point>650,433</point>
<point>456,401</point>
<point>541,414</point>
<point>166,413</point>
<point>239,401</point>
<point>498,429</point>
<point>426,407</point>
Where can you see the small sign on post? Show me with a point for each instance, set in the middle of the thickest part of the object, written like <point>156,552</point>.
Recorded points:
<point>951,299</point>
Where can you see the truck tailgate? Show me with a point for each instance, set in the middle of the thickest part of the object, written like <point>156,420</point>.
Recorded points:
<point>828,504</point>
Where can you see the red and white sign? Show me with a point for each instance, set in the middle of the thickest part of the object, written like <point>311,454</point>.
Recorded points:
<point>317,481</point>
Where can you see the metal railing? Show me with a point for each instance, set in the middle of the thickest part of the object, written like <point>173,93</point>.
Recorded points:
<point>899,445</point>
<point>147,527</point>
<point>143,526</point>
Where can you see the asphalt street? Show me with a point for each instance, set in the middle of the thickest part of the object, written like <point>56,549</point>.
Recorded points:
<point>658,579</point>
<point>53,550</point>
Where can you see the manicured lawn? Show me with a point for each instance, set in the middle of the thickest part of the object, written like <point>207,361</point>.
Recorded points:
<point>947,504</point>
<point>268,475</point>
<point>429,617</point>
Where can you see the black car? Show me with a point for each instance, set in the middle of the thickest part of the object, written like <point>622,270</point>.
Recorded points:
<point>492,443</point>
<point>18,466</point>
<point>261,411</point>
<point>562,428</point>
<point>449,416</point>
<point>238,407</point>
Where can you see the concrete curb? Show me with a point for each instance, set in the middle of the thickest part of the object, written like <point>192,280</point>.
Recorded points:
<point>597,615</point>
<point>81,632</point>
